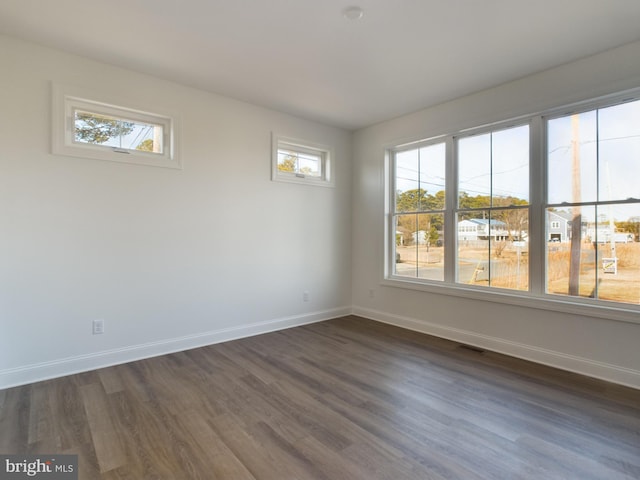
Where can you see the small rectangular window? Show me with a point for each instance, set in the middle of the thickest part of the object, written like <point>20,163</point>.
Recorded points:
<point>88,128</point>
<point>301,162</point>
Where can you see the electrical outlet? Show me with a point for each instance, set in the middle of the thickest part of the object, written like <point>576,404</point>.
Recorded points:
<point>98,327</point>
<point>305,296</point>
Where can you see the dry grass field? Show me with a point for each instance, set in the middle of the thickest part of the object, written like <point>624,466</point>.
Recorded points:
<point>507,271</point>
<point>623,286</point>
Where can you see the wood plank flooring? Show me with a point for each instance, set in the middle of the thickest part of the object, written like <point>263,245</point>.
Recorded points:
<point>345,399</point>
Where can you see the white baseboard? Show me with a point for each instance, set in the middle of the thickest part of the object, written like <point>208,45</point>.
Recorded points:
<point>66,366</point>
<point>82,363</point>
<point>603,371</point>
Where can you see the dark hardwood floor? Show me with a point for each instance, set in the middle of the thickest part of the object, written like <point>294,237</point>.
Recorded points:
<point>345,399</point>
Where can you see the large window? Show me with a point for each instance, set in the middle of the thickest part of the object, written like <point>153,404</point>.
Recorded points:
<point>419,212</point>
<point>595,190</point>
<point>493,208</point>
<point>546,208</point>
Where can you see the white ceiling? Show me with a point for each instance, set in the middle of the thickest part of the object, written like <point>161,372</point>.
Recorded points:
<point>303,57</point>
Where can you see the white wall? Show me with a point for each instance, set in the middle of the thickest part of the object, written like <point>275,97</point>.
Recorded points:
<point>602,348</point>
<point>169,259</point>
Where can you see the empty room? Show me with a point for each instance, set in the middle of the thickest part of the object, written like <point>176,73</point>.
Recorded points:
<point>320,239</point>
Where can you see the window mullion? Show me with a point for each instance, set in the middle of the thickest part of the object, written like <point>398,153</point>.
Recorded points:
<point>537,191</point>
<point>451,204</point>
<point>490,248</point>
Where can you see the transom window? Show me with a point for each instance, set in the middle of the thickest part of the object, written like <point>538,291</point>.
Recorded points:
<point>87,128</point>
<point>299,161</point>
<point>465,212</point>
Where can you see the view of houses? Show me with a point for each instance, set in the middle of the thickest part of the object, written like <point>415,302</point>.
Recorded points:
<point>558,230</point>
<point>494,252</point>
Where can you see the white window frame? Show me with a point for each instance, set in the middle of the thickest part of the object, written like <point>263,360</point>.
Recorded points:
<point>66,100</point>
<point>536,297</point>
<point>326,177</point>
<point>484,130</point>
<point>391,259</point>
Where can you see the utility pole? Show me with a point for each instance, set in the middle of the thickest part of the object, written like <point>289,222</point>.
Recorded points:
<point>576,210</point>
<point>612,225</point>
<point>610,265</point>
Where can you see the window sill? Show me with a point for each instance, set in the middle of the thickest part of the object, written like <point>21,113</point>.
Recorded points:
<point>112,155</point>
<point>580,307</point>
<point>318,182</point>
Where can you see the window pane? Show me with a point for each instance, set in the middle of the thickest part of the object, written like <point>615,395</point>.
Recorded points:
<point>619,151</point>
<point>571,252</point>
<point>510,167</point>
<point>572,158</point>
<point>419,247</point>
<point>474,171</point>
<point>430,246</point>
<point>99,129</point>
<point>493,248</point>
<point>299,162</point>
<point>420,179</point>
<point>407,181</point>
<point>493,169</point>
<point>432,161</point>
<point>287,161</point>
<point>619,253</point>
<point>309,164</point>
<point>473,248</point>
<point>406,253</point>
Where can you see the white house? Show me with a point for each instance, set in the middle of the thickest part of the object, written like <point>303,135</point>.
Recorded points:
<point>558,226</point>
<point>482,229</point>
<point>603,234</point>
<point>420,237</point>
